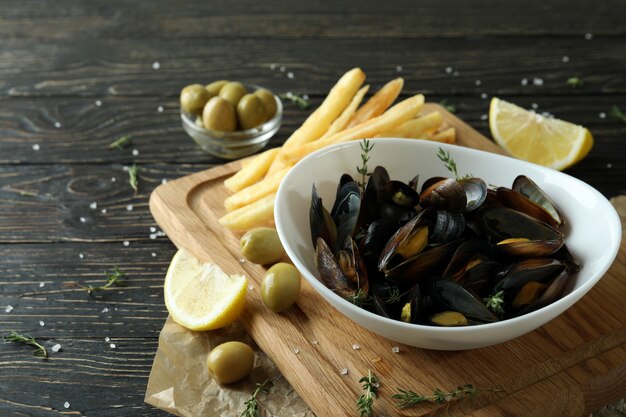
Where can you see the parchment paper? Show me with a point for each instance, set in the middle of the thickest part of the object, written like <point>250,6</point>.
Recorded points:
<point>180,382</point>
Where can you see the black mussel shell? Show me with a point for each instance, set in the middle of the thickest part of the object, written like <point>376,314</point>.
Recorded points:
<point>523,204</point>
<point>565,255</point>
<point>514,277</point>
<point>425,264</point>
<point>446,194</point>
<point>378,234</point>
<point>475,192</point>
<point>500,223</point>
<point>391,211</point>
<point>346,209</point>
<point>551,294</point>
<point>412,310</point>
<point>534,193</point>
<point>399,193</point>
<point>329,271</point>
<point>430,182</point>
<point>446,226</point>
<point>526,248</point>
<point>452,296</point>
<point>322,224</point>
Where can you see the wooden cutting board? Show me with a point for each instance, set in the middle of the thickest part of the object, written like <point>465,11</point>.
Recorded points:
<point>570,367</point>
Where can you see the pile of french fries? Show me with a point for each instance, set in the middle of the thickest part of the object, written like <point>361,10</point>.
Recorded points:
<point>338,119</point>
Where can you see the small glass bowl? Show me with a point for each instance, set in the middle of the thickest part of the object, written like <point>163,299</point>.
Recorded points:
<point>237,144</point>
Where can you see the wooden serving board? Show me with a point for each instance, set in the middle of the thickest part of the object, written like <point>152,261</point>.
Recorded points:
<point>570,367</point>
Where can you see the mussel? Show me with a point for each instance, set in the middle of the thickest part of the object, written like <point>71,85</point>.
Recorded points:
<point>528,188</point>
<point>451,296</point>
<point>322,224</point>
<point>446,194</point>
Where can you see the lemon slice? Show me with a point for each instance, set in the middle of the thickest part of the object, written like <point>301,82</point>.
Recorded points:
<point>535,138</point>
<point>201,296</point>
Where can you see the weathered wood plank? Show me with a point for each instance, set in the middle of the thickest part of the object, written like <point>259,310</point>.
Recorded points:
<point>226,19</point>
<point>100,67</point>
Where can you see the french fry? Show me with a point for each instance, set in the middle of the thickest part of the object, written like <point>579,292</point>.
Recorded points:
<point>378,103</point>
<point>446,136</point>
<point>259,213</point>
<point>416,128</point>
<point>252,172</point>
<point>256,191</point>
<point>398,114</point>
<point>342,121</point>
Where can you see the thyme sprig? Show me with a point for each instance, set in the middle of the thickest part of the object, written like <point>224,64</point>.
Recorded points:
<point>394,296</point>
<point>366,148</point>
<point>449,107</point>
<point>495,302</point>
<point>448,161</point>
<point>617,113</point>
<point>575,82</point>
<point>121,143</point>
<point>360,299</point>
<point>408,399</point>
<point>252,405</point>
<point>302,101</point>
<point>114,278</point>
<point>39,349</point>
<point>365,402</point>
<point>133,177</point>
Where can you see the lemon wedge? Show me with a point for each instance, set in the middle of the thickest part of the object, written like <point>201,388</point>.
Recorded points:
<point>535,138</point>
<point>200,296</point>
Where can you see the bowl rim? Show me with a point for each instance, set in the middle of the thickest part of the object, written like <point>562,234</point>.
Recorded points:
<point>576,294</point>
<point>239,135</point>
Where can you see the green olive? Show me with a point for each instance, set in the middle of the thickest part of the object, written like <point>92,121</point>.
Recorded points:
<point>199,121</point>
<point>230,362</point>
<point>281,287</point>
<point>219,114</point>
<point>251,111</point>
<point>261,246</point>
<point>193,98</point>
<point>233,91</point>
<point>268,101</point>
<point>215,87</point>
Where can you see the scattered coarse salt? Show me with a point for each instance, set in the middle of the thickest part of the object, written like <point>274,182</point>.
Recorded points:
<point>41,323</point>
<point>81,256</point>
<point>296,350</point>
<point>57,124</point>
<point>290,75</point>
<point>103,211</point>
<point>272,67</point>
<point>56,348</point>
<point>152,229</point>
<point>105,310</point>
<point>565,59</point>
<point>343,371</point>
<point>483,96</point>
<point>125,169</point>
<point>455,73</point>
<point>288,94</point>
<point>9,308</point>
<point>609,165</point>
<point>153,236</point>
<point>589,36</point>
<point>112,345</point>
<point>282,68</point>
<point>82,220</point>
<point>126,243</point>
<point>66,404</point>
<point>538,81</point>
<point>399,68</point>
<point>305,96</point>
<point>484,117</point>
<point>395,349</point>
<point>36,147</point>
<point>93,205</point>
<point>98,103</point>
<point>153,254</point>
<point>42,284</point>
<point>160,109</point>
<point>163,181</point>
<point>156,65</point>
<point>535,106</point>
<point>113,179</point>
<point>129,207</point>
<point>477,82</point>
<point>448,70</point>
<point>315,342</point>
<point>242,260</point>
<point>602,115</point>
<point>107,339</point>
<point>135,152</point>
<point>356,346</point>
<point>250,287</point>
<point>524,81</point>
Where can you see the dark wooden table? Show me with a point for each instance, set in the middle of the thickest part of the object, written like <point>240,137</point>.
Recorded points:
<point>74,76</point>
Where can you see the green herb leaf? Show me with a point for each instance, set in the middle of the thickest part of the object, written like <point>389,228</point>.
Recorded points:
<point>394,296</point>
<point>121,143</point>
<point>451,165</point>
<point>575,82</point>
<point>360,299</point>
<point>365,402</point>
<point>617,113</point>
<point>114,278</point>
<point>449,107</point>
<point>133,177</point>
<point>39,349</point>
<point>407,399</point>
<point>297,99</point>
<point>366,148</point>
<point>252,405</point>
<point>495,302</point>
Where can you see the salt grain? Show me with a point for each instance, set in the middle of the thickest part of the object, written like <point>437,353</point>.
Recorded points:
<point>478,82</point>
<point>282,69</point>
<point>602,115</point>
<point>152,229</point>
<point>609,165</point>
<point>153,236</point>
<point>395,349</point>
<point>538,81</point>
<point>98,103</point>
<point>356,346</point>
<point>113,179</point>
<point>589,36</point>
<point>56,348</point>
<point>315,342</point>
<point>160,109</point>
<point>42,284</point>
<point>126,243</point>
<point>41,323</point>
<point>290,75</point>
<point>484,117</point>
<point>125,169</point>
<point>448,70</point>
<point>399,68</point>
<point>343,371</point>
<point>9,308</point>
<point>535,106</point>
<point>83,220</point>
<point>455,73</point>
<point>81,256</point>
<point>105,310</point>
<point>524,81</point>
<point>93,205</point>
<point>153,254</point>
<point>483,96</point>
<point>272,67</point>
<point>66,404</point>
<point>135,152</point>
<point>565,59</point>
<point>156,65</point>
<point>163,181</point>
<point>103,211</point>
<point>296,351</point>
<point>107,339</point>
<point>242,261</point>
<point>36,147</point>
<point>250,287</point>
<point>112,345</point>
<point>57,125</point>
<point>129,207</point>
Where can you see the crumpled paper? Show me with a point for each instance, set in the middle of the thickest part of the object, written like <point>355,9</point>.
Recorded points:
<point>180,382</point>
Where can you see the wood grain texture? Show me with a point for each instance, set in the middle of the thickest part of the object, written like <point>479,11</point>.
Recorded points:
<point>311,343</point>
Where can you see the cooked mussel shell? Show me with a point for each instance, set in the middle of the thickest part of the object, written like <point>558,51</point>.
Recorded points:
<point>322,224</point>
<point>412,309</point>
<point>449,319</point>
<point>517,275</point>
<point>376,237</point>
<point>330,273</point>
<point>523,204</point>
<point>500,223</point>
<point>352,266</point>
<point>346,209</point>
<point>524,247</point>
<point>553,292</point>
<point>446,194</point>
<point>387,299</point>
<point>391,211</point>
<point>480,278</point>
<point>399,193</point>
<point>446,226</point>
<point>468,255</point>
<point>452,296</point>
<point>406,242</point>
<point>572,263</point>
<point>475,193</point>
<point>527,187</point>
<point>430,182</point>
<point>369,203</point>
<point>425,264</point>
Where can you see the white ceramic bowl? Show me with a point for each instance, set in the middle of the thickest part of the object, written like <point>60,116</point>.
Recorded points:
<point>593,234</point>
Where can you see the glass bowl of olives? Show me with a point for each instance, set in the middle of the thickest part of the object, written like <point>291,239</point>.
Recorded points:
<point>230,119</point>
